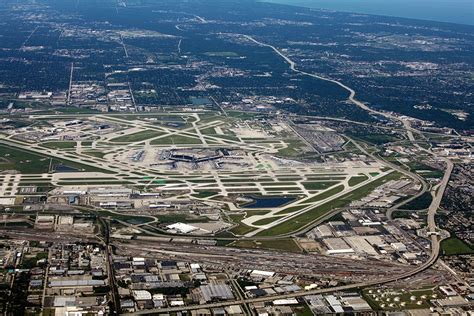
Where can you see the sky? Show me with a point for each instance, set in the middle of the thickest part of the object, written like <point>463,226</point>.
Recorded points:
<point>454,11</point>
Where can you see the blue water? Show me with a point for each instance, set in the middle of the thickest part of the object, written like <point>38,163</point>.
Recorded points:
<point>453,11</point>
<point>64,168</point>
<point>268,202</point>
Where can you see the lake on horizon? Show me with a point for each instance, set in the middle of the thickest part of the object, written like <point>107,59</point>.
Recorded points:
<point>453,11</point>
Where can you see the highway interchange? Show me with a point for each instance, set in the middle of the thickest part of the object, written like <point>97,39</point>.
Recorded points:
<point>125,170</point>
<point>438,193</point>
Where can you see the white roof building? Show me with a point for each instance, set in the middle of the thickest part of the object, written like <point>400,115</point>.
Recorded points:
<point>182,228</point>
<point>158,297</point>
<point>141,295</point>
<point>291,301</point>
<point>195,266</point>
<point>266,274</point>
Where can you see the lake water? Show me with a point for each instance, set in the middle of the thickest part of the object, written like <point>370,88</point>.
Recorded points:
<point>64,168</point>
<point>268,202</point>
<point>453,11</point>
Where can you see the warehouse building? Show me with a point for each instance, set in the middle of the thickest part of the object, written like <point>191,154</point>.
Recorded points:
<point>337,246</point>
<point>216,292</point>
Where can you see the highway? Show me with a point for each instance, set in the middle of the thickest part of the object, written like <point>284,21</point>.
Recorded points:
<point>352,98</point>
<point>437,197</point>
<point>352,93</point>
<point>437,193</point>
<point>424,266</point>
<point>435,248</point>
<point>406,124</point>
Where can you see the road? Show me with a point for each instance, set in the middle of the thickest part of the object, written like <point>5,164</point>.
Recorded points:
<point>352,93</point>
<point>441,187</point>
<point>438,193</point>
<point>406,124</point>
<point>110,267</point>
<point>419,269</point>
<point>352,98</point>
<point>435,248</point>
<point>437,197</point>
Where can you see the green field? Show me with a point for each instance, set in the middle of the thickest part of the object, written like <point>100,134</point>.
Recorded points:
<point>324,195</point>
<point>240,229</point>
<point>59,145</point>
<point>401,214</point>
<point>425,170</point>
<point>204,194</point>
<point>318,185</point>
<point>455,246</point>
<point>313,214</point>
<point>355,180</point>
<point>176,140</point>
<point>376,300</point>
<point>363,191</point>
<point>125,218</point>
<point>12,158</point>
<point>265,221</point>
<point>136,137</point>
<point>95,153</point>
<point>22,161</point>
<point>302,220</point>
<point>376,139</point>
<point>294,148</point>
<point>291,209</point>
<point>420,203</point>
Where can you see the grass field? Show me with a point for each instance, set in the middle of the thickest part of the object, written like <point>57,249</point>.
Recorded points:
<point>136,137</point>
<point>455,246</point>
<point>265,221</point>
<point>324,195</point>
<point>240,229</point>
<point>401,299</point>
<point>126,218</point>
<point>355,180</point>
<point>22,161</point>
<point>425,170</point>
<point>420,203</point>
<point>95,153</point>
<point>176,140</point>
<point>59,145</point>
<point>318,185</point>
<point>294,148</point>
<point>12,158</point>
<point>376,139</point>
<point>204,194</point>
<point>290,210</point>
<point>401,214</point>
<point>313,214</point>
<point>301,220</point>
